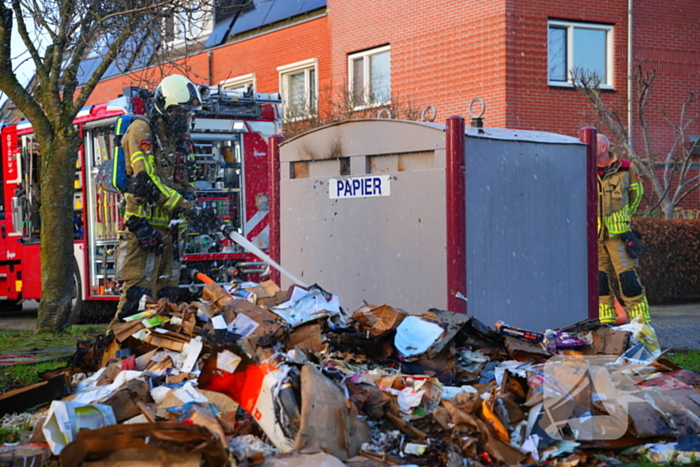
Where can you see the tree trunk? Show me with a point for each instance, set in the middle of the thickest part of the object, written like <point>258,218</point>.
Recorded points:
<point>58,174</point>
<point>668,208</point>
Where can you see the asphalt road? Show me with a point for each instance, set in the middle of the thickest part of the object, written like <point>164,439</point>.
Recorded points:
<point>676,325</point>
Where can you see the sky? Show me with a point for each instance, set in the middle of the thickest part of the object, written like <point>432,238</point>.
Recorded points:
<point>24,68</point>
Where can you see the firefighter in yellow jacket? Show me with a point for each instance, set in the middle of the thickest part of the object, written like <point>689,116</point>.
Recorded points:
<point>158,195</point>
<point>619,194</point>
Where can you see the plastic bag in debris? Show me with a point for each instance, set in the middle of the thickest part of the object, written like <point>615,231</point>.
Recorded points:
<point>642,333</point>
<point>567,340</point>
<point>257,389</point>
<point>308,305</point>
<point>249,446</point>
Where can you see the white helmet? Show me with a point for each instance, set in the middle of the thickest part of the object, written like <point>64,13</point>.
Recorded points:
<point>176,90</point>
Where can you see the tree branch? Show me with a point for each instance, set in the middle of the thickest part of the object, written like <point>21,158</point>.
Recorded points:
<point>28,43</point>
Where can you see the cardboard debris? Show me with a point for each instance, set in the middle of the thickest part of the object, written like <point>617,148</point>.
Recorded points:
<point>328,420</point>
<point>317,386</point>
<point>607,341</point>
<point>378,320</point>
<point>153,444</point>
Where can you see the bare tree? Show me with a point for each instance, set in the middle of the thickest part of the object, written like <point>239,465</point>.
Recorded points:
<point>61,37</point>
<point>668,173</point>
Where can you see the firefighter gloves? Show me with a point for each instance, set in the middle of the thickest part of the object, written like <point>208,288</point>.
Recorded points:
<point>143,187</point>
<point>147,237</point>
<point>633,244</point>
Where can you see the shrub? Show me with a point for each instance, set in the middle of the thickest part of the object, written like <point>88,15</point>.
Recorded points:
<point>669,268</point>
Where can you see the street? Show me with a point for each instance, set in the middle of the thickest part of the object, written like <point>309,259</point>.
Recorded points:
<point>676,325</point>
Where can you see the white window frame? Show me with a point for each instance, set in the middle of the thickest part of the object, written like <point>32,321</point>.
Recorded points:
<point>242,81</point>
<point>205,23</point>
<point>570,26</point>
<point>366,76</point>
<point>287,70</point>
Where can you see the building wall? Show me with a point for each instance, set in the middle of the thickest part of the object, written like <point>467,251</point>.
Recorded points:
<point>442,53</point>
<point>447,53</point>
<point>260,55</point>
<point>532,103</point>
<point>666,36</point>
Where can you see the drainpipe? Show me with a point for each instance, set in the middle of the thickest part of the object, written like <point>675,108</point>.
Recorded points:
<point>630,78</point>
<point>210,62</point>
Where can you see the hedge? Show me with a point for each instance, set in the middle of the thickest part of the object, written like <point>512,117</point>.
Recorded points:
<point>669,268</point>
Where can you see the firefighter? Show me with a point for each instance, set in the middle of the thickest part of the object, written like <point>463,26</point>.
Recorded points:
<point>159,159</point>
<point>619,194</point>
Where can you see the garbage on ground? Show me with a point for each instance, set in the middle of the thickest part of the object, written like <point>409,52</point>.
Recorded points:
<point>251,375</point>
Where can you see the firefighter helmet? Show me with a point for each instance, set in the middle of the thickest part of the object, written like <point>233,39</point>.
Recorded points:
<point>177,91</point>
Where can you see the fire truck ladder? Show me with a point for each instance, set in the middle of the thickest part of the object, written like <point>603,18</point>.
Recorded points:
<point>237,103</point>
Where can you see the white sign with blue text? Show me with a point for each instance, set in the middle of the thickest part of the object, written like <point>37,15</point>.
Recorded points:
<point>359,187</point>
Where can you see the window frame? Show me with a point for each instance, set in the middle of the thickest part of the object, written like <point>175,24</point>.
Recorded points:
<point>293,68</point>
<point>239,82</point>
<point>366,54</point>
<point>206,26</point>
<point>570,26</point>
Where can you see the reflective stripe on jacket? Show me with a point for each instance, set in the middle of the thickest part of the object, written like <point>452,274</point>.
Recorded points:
<point>140,146</point>
<point>619,194</point>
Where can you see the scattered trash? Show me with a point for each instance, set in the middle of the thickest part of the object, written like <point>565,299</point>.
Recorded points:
<point>252,375</point>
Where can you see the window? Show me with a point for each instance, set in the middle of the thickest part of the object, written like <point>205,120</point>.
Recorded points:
<point>298,86</point>
<point>188,25</point>
<point>580,46</point>
<point>245,81</point>
<point>370,77</point>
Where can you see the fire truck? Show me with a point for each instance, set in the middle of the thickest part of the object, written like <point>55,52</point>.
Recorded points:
<point>231,177</point>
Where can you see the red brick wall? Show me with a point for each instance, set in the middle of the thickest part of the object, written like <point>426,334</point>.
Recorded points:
<point>532,103</point>
<point>667,37</point>
<point>447,53</point>
<point>442,53</point>
<point>260,55</point>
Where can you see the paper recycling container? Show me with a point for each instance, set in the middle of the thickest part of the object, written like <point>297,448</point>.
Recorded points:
<point>498,223</point>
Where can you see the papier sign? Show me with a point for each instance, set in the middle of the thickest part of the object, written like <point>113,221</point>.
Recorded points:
<point>359,187</point>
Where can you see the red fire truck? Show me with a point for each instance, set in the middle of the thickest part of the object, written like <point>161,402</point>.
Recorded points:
<point>231,176</point>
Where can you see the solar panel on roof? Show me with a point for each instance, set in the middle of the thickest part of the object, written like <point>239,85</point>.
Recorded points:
<point>148,49</point>
<point>283,9</point>
<point>218,35</point>
<point>86,69</point>
<point>310,5</point>
<point>127,55</point>
<point>251,18</point>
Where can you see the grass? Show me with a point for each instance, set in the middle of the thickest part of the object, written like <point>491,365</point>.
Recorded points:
<point>18,376</point>
<point>11,341</point>
<point>688,360</point>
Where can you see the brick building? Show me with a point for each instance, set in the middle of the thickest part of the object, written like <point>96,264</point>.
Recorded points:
<point>515,55</point>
